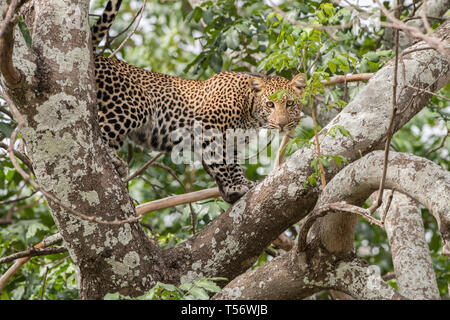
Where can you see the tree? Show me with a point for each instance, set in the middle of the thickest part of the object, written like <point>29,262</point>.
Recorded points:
<point>308,205</point>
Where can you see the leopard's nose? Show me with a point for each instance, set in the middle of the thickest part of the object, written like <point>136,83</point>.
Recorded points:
<point>283,126</point>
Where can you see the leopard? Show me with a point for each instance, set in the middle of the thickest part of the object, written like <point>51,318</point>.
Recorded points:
<point>148,107</point>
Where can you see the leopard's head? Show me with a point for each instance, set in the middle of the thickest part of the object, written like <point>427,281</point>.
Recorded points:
<point>283,111</point>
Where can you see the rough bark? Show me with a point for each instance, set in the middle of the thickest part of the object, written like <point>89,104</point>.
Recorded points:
<point>58,102</point>
<point>328,261</point>
<point>410,254</point>
<point>434,8</point>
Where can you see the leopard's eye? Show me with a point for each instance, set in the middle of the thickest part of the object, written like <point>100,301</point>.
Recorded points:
<point>270,104</point>
<point>289,103</point>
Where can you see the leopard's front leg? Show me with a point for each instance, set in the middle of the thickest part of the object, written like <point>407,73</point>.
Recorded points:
<point>230,191</point>
<point>230,177</point>
<point>113,145</point>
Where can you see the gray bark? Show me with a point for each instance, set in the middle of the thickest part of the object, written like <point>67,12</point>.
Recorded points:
<point>58,102</point>
<point>328,262</point>
<point>410,255</point>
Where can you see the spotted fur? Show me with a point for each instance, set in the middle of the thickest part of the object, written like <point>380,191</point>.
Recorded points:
<point>148,107</point>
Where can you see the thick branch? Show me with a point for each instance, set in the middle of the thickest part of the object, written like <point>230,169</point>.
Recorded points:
<point>412,262</point>
<point>417,177</point>
<point>231,243</point>
<point>335,232</point>
<point>20,262</point>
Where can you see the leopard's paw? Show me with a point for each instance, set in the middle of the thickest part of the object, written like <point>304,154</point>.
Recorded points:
<point>120,165</point>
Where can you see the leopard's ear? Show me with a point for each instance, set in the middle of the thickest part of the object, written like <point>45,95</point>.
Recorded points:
<point>298,83</point>
<point>257,84</point>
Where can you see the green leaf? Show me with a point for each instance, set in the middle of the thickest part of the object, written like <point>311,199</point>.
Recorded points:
<point>328,8</point>
<point>167,287</point>
<point>278,95</point>
<point>343,131</point>
<point>208,285</point>
<point>343,62</point>
<point>6,129</point>
<point>112,296</point>
<point>195,14</point>
<point>332,132</point>
<point>10,175</point>
<point>232,39</point>
<point>372,56</point>
<point>325,162</point>
<point>312,180</point>
<point>314,165</point>
<point>199,293</point>
<point>25,32</point>
<point>215,62</point>
<point>338,160</point>
<point>34,228</point>
<point>321,16</point>
<point>332,66</point>
<point>244,29</point>
<point>208,16</point>
<point>186,286</point>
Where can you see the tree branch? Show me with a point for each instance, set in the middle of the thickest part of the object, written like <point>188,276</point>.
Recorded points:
<point>348,78</point>
<point>20,262</point>
<point>410,255</point>
<point>33,252</point>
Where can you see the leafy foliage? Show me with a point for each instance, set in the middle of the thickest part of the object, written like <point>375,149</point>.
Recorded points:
<point>198,290</point>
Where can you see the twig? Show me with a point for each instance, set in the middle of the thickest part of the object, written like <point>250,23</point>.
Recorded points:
<point>316,136</point>
<point>177,200</point>
<point>17,199</point>
<point>414,32</point>
<point>440,146</point>
<point>428,17</point>
<point>388,276</point>
<point>348,78</point>
<point>327,29</point>
<point>388,205</point>
<point>423,15</point>
<point>47,268</point>
<point>25,160</point>
<point>390,129</point>
<point>332,207</point>
<point>33,252</point>
<point>110,39</point>
<point>259,151</point>
<point>429,92</point>
<point>314,62</point>
<point>174,175</point>
<point>281,151</point>
<point>283,242</point>
<point>21,261</point>
<point>132,31</point>
<point>144,167</point>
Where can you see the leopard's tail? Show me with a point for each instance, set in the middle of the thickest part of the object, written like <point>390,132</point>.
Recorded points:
<point>102,25</point>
